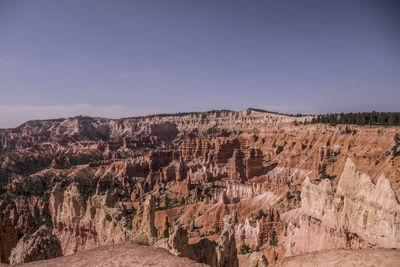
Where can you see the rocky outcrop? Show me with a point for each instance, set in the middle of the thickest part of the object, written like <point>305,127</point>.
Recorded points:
<point>96,172</point>
<point>348,216</point>
<point>237,192</point>
<point>137,220</point>
<point>205,251</point>
<point>245,165</point>
<point>257,259</point>
<point>147,233</point>
<point>138,168</point>
<point>164,233</point>
<point>40,245</point>
<point>8,240</point>
<point>226,251</point>
<point>256,231</point>
<point>84,223</point>
<point>177,243</point>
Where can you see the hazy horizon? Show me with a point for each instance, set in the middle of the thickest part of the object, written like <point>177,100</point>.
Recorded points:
<point>128,58</point>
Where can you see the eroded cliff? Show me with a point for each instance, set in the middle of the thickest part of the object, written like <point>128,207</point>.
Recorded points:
<point>97,182</point>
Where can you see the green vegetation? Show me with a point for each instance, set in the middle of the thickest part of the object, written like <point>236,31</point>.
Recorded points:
<point>278,113</point>
<point>395,148</point>
<point>322,171</point>
<point>180,114</point>
<point>244,249</point>
<point>273,240</point>
<point>347,130</point>
<point>261,214</point>
<point>360,118</point>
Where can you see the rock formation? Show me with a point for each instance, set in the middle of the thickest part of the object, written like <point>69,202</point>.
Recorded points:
<point>164,233</point>
<point>178,243</point>
<point>348,216</point>
<point>257,259</point>
<point>8,240</point>
<point>38,246</point>
<point>90,180</point>
<point>204,251</point>
<point>147,233</point>
<point>226,251</point>
<point>83,223</point>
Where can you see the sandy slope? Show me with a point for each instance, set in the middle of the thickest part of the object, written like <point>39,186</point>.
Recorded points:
<point>119,255</point>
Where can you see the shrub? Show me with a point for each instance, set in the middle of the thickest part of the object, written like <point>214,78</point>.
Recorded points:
<point>261,214</point>
<point>244,249</point>
<point>322,171</point>
<point>273,241</point>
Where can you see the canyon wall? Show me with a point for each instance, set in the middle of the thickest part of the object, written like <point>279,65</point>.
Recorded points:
<point>356,213</point>
<point>95,182</point>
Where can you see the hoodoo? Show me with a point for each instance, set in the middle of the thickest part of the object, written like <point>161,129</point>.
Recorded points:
<point>220,188</point>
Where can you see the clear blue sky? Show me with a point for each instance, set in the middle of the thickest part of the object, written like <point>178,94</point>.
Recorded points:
<point>120,58</point>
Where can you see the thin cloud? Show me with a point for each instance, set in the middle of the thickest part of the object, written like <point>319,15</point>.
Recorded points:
<point>12,116</point>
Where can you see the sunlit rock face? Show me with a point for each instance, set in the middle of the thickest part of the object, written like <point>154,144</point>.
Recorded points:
<point>171,180</point>
<point>84,223</point>
<point>356,213</point>
<point>39,246</point>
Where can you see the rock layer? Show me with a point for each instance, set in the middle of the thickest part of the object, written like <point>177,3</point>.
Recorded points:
<point>82,223</point>
<point>98,173</point>
<point>38,246</point>
<point>356,214</point>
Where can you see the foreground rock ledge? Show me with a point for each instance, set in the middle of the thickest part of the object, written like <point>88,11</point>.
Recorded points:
<point>119,255</point>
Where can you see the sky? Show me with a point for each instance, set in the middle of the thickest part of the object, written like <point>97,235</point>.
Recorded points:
<point>126,58</point>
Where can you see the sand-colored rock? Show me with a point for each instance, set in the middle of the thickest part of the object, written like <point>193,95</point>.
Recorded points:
<point>178,242</point>
<point>40,245</point>
<point>208,165</point>
<point>81,223</point>
<point>257,259</point>
<point>226,251</point>
<point>205,251</point>
<point>355,214</point>
<point>147,233</point>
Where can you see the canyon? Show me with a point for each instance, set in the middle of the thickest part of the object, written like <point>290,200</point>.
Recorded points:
<point>218,188</point>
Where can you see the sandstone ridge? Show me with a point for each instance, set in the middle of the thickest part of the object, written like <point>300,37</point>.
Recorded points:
<point>349,215</point>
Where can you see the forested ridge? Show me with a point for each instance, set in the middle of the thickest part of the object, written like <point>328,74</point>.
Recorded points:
<point>360,118</point>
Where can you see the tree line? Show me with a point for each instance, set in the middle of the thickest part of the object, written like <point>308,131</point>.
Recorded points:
<point>278,113</point>
<point>360,118</point>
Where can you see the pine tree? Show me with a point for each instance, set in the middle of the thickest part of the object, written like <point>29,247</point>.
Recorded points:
<point>322,171</point>
<point>244,249</point>
<point>273,241</point>
<point>261,214</point>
